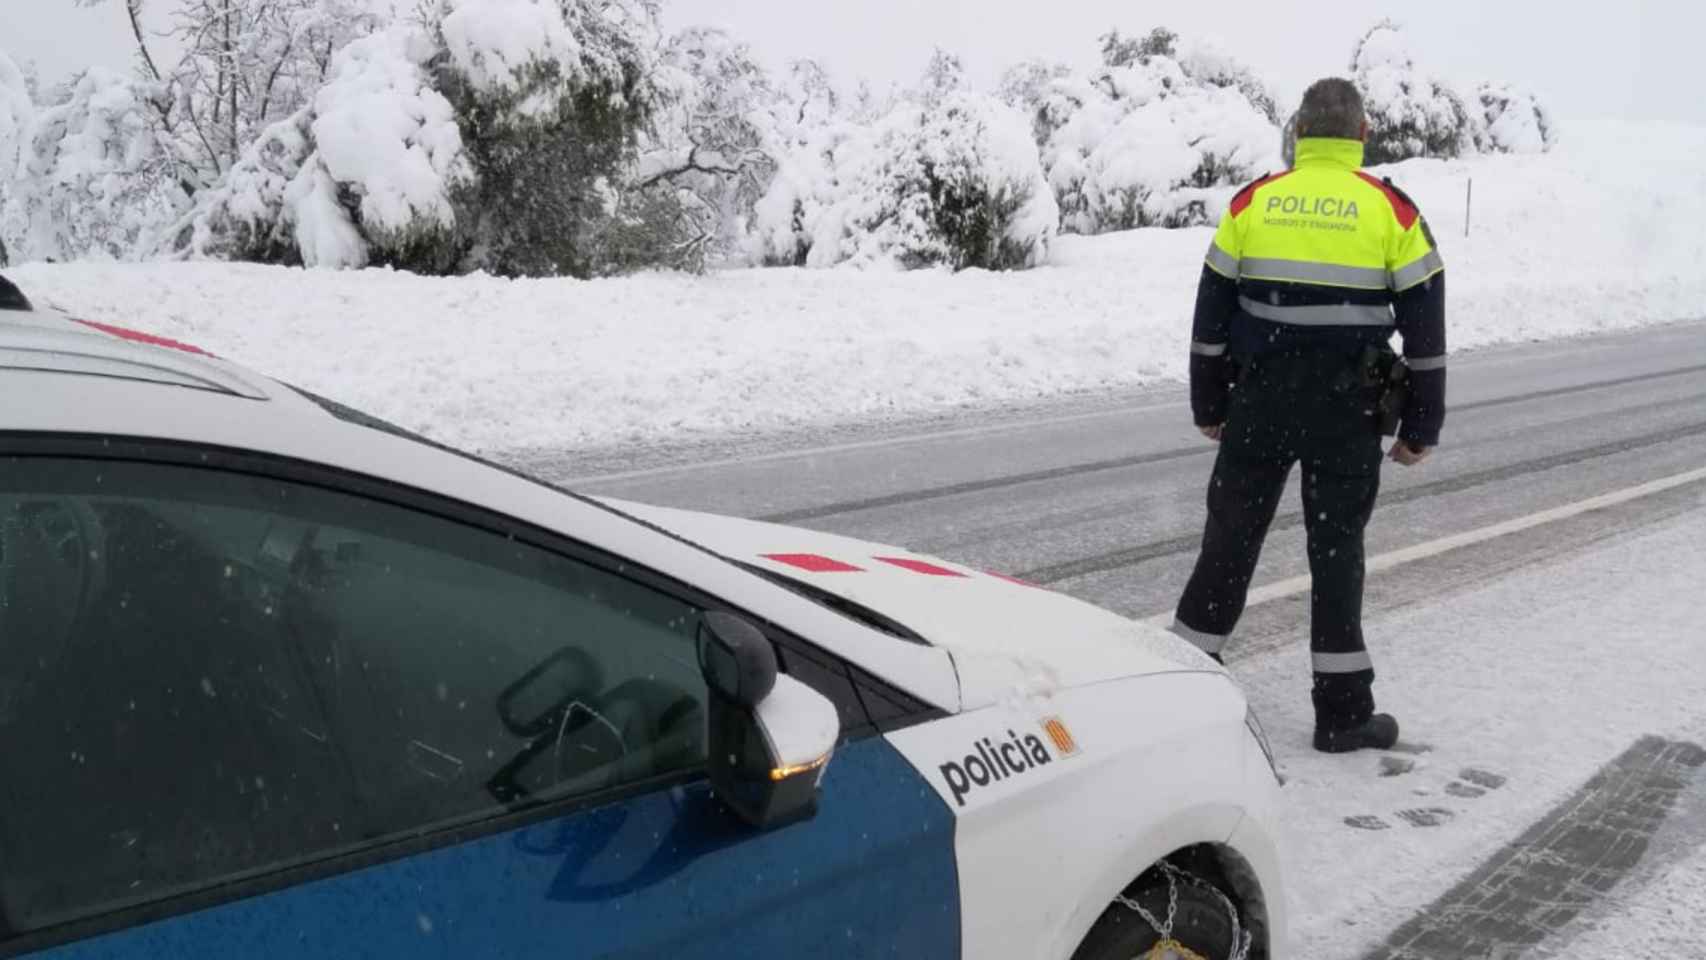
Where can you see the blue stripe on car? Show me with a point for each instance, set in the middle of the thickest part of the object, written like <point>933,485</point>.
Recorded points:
<point>665,874</point>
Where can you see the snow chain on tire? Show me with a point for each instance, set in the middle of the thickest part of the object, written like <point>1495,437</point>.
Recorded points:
<point>1171,949</point>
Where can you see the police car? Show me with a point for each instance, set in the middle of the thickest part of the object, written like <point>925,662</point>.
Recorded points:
<point>279,680</point>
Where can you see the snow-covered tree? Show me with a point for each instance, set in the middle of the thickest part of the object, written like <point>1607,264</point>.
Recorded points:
<point>944,76</point>
<point>955,183</point>
<point>241,65</point>
<point>715,140</point>
<point>1146,142</point>
<point>16,110</point>
<point>1122,51</point>
<point>1409,114</point>
<point>553,98</point>
<point>522,137</point>
<point>811,99</point>
<point>95,181</point>
<point>363,175</point>
<point>1514,120</point>
<point>1025,85</point>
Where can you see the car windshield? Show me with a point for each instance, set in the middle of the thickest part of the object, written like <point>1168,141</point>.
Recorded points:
<point>1354,352</point>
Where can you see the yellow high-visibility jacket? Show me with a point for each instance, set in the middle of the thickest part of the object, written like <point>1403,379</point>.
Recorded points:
<point>1322,257</point>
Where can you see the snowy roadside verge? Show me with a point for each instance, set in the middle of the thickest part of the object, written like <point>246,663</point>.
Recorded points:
<point>1579,241</point>
<point>1539,679</point>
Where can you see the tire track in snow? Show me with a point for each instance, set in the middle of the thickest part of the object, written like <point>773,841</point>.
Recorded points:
<point>1561,866</point>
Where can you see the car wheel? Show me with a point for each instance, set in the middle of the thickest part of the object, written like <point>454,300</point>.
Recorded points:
<point>1167,915</point>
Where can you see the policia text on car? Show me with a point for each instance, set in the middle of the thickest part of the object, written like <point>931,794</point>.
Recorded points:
<point>1310,272</point>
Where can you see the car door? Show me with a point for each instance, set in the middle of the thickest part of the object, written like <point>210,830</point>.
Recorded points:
<point>251,708</point>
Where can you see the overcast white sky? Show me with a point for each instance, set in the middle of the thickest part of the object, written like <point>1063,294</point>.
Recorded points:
<point>1636,59</point>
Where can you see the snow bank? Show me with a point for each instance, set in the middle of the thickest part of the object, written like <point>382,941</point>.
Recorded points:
<point>1570,242</point>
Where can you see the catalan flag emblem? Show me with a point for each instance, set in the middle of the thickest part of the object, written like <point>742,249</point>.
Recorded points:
<point>1060,736</point>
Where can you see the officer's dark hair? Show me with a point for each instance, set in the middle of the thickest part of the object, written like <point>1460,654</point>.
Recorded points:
<point>1331,108</point>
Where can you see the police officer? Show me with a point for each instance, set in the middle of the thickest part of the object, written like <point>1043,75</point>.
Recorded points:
<point>1310,272</point>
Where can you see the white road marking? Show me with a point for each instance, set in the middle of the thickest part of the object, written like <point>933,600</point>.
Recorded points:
<point>1298,585</point>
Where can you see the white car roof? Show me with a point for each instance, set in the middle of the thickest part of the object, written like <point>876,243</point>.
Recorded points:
<point>62,375</point>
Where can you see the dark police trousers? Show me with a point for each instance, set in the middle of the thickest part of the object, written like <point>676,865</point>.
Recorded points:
<point>1316,410</point>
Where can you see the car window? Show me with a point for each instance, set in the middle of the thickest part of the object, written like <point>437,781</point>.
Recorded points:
<point>205,675</point>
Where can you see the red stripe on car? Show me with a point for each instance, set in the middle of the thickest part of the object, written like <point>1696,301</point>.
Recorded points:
<point>919,566</point>
<point>137,336</point>
<point>813,562</point>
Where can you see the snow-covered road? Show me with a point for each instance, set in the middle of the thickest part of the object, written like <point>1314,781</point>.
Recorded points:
<point>1526,662</point>
<point>1530,683</point>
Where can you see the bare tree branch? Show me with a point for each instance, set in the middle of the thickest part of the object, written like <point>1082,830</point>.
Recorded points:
<point>691,166</point>
<point>133,9</point>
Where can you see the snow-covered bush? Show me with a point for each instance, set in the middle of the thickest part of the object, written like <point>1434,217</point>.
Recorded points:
<point>1144,142</point>
<point>94,181</point>
<point>1206,61</point>
<point>553,97</point>
<point>1409,114</point>
<point>1514,120</point>
<point>1203,60</point>
<point>388,156</point>
<point>955,183</point>
<point>243,217</point>
<point>362,176</point>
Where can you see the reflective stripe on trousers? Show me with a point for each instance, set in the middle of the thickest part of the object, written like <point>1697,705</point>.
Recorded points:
<point>1209,643</point>
<point>1342,662</point>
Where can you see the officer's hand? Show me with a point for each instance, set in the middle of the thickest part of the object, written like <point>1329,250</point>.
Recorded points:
<point>1408,455</point>
<point>1214,432</point>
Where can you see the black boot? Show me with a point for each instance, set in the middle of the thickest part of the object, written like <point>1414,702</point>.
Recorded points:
<point>1378,732</point>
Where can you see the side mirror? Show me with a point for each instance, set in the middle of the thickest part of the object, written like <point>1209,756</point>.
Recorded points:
<point>769,736</point>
